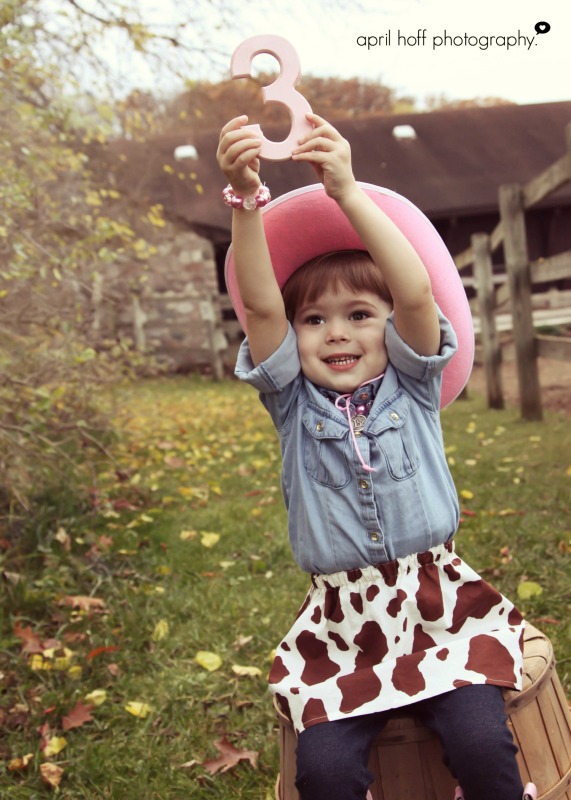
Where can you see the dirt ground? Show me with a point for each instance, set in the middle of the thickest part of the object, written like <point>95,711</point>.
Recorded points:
<point>554,379</point>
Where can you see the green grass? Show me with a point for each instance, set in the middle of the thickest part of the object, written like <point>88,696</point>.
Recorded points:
<point>197,457</point>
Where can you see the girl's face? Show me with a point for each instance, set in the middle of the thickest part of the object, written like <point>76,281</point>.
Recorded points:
<point>341,338</point>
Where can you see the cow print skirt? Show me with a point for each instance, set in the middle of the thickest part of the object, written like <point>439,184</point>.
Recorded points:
<point>384,637</point>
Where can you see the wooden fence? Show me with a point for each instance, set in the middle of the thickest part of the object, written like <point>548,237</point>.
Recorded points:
<point>522,274</point>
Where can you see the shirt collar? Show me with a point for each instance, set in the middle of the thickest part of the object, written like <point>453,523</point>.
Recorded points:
<point>362,396</point>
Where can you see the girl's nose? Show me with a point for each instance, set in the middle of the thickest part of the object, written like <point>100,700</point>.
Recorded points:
<point>337,332</point>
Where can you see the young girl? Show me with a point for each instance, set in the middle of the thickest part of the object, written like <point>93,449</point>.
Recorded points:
<point>348,360</point>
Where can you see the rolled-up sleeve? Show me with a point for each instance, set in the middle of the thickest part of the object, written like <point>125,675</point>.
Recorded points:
<point>421,368</point>
<point>276,372</point>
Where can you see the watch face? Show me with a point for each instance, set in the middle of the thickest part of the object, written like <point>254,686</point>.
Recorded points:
<point>250,203</point>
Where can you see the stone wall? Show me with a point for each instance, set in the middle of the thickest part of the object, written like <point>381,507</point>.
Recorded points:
<point>174,311</point>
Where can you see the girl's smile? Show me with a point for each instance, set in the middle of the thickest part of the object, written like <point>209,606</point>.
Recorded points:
<point>341,338</point>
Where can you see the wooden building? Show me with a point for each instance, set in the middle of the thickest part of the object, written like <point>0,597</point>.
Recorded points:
<point>449,163</point>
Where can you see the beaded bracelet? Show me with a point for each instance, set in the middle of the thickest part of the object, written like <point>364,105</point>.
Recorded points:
<point>258,200</point>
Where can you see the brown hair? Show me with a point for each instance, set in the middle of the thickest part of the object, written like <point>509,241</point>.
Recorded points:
<point>354,269</point>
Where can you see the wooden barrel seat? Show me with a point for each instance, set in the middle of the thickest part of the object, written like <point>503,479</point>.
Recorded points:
<point>406,758</point>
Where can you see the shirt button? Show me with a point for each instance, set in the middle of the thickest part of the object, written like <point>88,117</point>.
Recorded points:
<point>394,415</point>
<point>319,426</point>
<point>375,536</point>
<point>363,484</point>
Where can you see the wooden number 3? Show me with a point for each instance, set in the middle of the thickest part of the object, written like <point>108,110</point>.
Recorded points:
<point>280,91</point>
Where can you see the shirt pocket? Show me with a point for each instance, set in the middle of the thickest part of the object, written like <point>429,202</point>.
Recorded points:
<point>397,440</point>
<point>324,449</point>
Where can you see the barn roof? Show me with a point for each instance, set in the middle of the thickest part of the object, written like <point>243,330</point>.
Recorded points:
<point>452,165</point>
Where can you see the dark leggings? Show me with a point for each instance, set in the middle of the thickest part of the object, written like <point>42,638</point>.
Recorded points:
<point>332,757</point>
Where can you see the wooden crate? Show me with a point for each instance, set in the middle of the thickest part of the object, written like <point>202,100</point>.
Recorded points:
<point>406,758</point>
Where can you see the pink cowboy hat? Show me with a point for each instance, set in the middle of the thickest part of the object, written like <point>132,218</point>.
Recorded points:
<point>306,223</point>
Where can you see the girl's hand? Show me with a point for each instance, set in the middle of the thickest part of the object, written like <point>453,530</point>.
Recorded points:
<point>238,156</point>
<point>330,156</point>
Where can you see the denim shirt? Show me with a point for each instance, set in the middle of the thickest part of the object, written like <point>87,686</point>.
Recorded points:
<point>340,515</point>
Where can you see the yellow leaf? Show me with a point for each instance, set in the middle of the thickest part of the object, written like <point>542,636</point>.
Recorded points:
<point>161,630</point>
<point>55,745</point>
<point>237,669</point>
<point>184,536</point>
<point>208,660</point>
<point>75,672</point>
<point>37,663</point>
<point>568,471</point>
<point>96,697</point>
<point>141,710</point>
<point>466,494</point>
<point>527,589</point>
<point>209,539</point>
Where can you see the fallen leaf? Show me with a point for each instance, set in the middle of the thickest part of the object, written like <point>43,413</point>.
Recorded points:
<point>31,642</point>
<point>241,641</point>
<point>37,662</point>
<point>209,539</point>
<point>230,756</point>
<point>161,630</point>
<point>51,774</point>
<point>96,697</point>
<point>77,717</point>
<point>467,494</point>
<point>105,542</point>
<point>14,578</point>
<point>189,764</point>
<point>175,462</point>
<point>63,537</point>
<point>99,650</point>
<point>84,603</point>
<point>208,660</point>
<point>141,710</point>
<point>20,764</point>
<point>75,672</point>
<point>242,671</point>
<point>45,733</point>
<point>528,589</point>
<point>186,536</point>
<point>54,746</point>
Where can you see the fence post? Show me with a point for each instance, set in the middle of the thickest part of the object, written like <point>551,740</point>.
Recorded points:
<point>519,281</point>
<point>208,316</point>
<point>491,350</point>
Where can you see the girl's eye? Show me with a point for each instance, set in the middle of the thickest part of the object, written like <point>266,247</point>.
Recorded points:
<point>359,315</point>
<point>314,320</point>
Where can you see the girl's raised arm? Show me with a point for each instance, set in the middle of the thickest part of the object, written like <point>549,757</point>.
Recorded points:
<point>266,323</point>
<point>415,312</point>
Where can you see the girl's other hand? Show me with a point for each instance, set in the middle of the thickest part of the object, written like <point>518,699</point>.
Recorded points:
<point>330,156</point>
<point>238,156</point>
